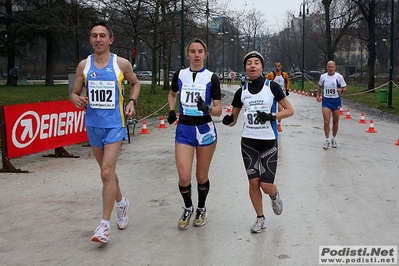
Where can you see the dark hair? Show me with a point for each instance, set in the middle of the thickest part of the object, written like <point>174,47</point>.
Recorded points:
<point>197,41</point>
<point>110,33</point>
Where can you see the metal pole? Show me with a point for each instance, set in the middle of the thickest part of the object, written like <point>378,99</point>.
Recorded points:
<point>391,55</point>
<point>361,59</point>
<point>207,30</point>
<point>223,55</point>
<point>182,36</point>
<point>303,44</point>
<point>238,51</point>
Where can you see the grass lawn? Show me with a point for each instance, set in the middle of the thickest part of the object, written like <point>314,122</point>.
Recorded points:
<point>148,104</point>
<point>156,104</point>
<point>356,93</point>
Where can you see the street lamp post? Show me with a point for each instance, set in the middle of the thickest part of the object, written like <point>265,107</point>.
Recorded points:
<point>207,30</point>
<point>303,43</point>
<point>303,14</point>
<point>222,34</point>
<point>391,54</point>
<point>182,36</point>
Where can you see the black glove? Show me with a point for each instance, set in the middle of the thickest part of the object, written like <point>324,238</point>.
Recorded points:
<point>228,119</point>
<point>202,106</point>
<point>263,117</point>
<point>172,117</point>
<point>287,92</point>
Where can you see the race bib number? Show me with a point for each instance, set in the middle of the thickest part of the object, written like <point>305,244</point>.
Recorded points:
<point>330,90</point>
<point>190,93</point>
<point>101,94</point>
<point>252,114</point>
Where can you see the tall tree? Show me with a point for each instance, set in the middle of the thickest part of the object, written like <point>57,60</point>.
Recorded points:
<point>369,10</point>
<point>339,17</point>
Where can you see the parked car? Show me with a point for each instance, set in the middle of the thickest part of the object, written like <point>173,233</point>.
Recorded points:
<point>315,74</point>
<point>298,75</point>
<point>144,74</point>
<point>358,75</point>
<point>383,75</point>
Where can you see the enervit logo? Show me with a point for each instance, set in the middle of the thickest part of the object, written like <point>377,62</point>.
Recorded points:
<point>26,121</point>
<point>30,125</point>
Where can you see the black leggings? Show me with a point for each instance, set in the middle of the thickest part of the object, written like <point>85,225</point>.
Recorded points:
<point>260,158</point>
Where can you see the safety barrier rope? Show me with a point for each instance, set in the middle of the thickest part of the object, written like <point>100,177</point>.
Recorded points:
<point>144,118</point>
<point>351,94</point>
<point>314,85</point>
<point>367,91</point>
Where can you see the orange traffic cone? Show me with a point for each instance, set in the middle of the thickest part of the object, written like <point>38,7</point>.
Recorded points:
<point>306,94</point>
<point>362,121</point>
<point>177,120</point>
<point>294,90</point>
<point>312,94</point>
<point>341,112</point>
<point>228,108</point>
<point>348,114</point>
<point>279,129</point>
<point>144,129</point>
<point>162,123</point>
<point>397,143</point>
<point>371,127</point>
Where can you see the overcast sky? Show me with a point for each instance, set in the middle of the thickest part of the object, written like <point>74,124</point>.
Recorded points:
<point>275,10</point>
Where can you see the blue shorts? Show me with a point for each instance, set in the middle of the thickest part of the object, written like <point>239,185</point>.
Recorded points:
<point>201,135</point>
<point>331,103</point>
<point>99,136</point>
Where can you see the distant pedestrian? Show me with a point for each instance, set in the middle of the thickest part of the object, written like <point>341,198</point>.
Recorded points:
<point>233,76</point>
<point>101,74</point>
<point>243,79</point>
<point>221,78</point>
<point>281,77</point>
<point>331,85</point>
<point>197,88</point>
<point>259,99</point>
<point>229,78</point>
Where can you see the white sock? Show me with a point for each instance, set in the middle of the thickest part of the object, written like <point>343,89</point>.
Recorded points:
<point>327,139</point>
<point>107,223</point>
<point>121,203</point>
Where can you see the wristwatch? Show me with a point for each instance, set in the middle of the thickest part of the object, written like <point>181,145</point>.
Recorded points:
<point>134,101</point>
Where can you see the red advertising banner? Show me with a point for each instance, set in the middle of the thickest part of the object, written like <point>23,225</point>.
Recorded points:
<point>36,127</point>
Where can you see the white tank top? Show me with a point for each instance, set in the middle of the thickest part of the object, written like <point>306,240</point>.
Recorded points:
<point>263,101</point>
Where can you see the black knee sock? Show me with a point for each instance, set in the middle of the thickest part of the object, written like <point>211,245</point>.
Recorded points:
<point>186,194</point>
<point>203,190</point>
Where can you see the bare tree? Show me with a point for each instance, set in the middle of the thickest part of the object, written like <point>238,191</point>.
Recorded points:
<point>339,15</point>
<point>369,10</point>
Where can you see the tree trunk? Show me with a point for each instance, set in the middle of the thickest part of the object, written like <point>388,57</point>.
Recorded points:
<point>10,43</point>
<point>371,46</point>
<point>50,59</point>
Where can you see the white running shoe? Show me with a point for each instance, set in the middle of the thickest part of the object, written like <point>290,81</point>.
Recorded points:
<point>101,234</point>
<point>277,204</point>
<point>258,226</point>
<point>334,143</point>
<point>326,144</point>
<point>121,212</point>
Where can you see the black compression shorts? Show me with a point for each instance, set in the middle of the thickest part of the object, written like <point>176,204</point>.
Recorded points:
<point>260,158</point>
